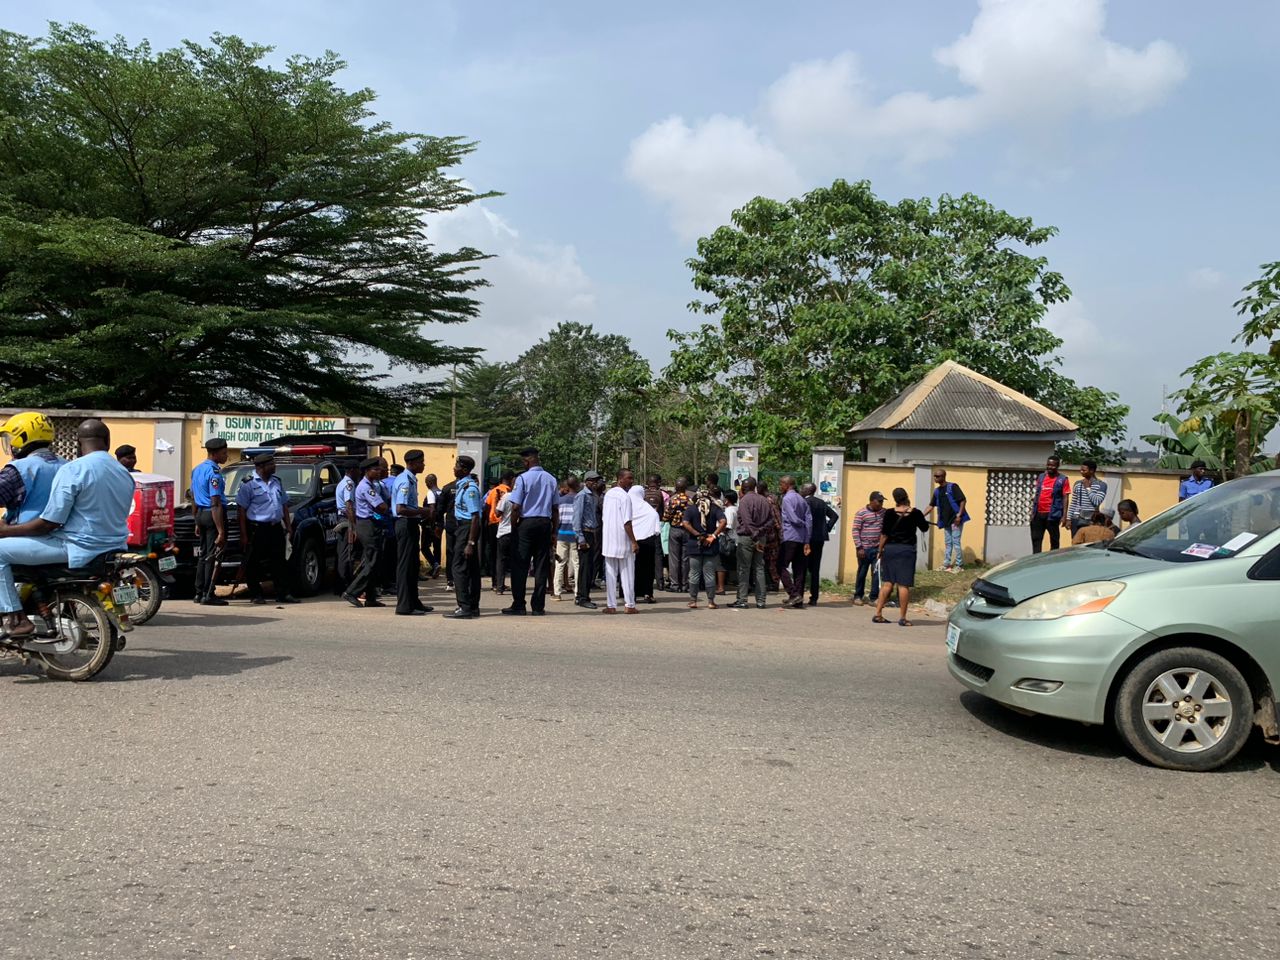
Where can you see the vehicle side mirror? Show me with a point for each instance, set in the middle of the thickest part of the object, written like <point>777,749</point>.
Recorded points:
<point>329,490</point>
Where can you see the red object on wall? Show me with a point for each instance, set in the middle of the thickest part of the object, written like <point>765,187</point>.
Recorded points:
<point>152,510</point>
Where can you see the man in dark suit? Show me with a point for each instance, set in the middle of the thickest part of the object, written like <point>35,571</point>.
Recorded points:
<point>824,521</point>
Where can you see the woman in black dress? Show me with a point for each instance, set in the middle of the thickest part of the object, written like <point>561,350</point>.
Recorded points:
<point>898,554</point>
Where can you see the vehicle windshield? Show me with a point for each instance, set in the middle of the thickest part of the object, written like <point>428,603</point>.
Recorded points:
<point>1217,523</point>
<point>296,478</point>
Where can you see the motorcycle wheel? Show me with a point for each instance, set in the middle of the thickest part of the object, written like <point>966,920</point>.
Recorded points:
<point>150,592</point>
<point>86,638</point>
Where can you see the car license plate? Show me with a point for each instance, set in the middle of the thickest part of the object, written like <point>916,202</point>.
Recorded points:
<point>195,551</point>
<point>125,595</point>
<point>953,637</point>
<point>167,563</point>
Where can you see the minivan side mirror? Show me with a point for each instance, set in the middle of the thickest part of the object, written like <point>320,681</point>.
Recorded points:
<point>329,490</point>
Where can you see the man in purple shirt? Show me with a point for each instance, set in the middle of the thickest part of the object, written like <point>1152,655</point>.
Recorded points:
<point>797,528</point>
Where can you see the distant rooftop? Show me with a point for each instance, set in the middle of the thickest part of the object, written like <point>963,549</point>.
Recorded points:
<point>952,399</point>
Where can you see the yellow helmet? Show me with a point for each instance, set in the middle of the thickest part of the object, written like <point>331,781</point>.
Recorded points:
<point>20,431</point>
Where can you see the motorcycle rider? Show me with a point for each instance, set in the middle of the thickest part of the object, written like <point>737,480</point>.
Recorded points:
<point>25,482</point>
<point>87,515</point>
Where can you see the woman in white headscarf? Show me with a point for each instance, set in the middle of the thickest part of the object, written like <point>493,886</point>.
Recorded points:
<point>646,525</point>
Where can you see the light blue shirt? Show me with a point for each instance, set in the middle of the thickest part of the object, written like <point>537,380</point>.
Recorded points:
<point>346,489</point>
<point>262,500</point>
<point>536,491</point>
<point>466,500</point>
<point>1191,487</point>
<point>368,498</point>
<point>206,483</point>
<point>90,501</point>
<point>404,492</point>
<point>37,471</point>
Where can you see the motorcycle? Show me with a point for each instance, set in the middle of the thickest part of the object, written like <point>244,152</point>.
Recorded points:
<point>79,616</point>
<point>149,574</point>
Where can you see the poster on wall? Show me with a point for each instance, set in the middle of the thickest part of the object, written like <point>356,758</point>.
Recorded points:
<point>744,462</point>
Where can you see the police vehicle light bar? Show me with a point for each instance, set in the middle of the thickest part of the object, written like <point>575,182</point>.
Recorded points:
<point>305,450</point>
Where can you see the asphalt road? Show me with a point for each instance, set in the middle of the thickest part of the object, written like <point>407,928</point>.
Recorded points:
<point>323,782</point>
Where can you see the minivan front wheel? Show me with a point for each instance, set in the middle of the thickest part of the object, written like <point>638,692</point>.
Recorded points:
<point>1184,709</point>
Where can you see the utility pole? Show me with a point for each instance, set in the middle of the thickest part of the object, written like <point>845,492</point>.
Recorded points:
<point>453,405</point>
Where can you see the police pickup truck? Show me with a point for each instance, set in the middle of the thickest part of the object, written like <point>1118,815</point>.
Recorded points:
<point>309,467</point>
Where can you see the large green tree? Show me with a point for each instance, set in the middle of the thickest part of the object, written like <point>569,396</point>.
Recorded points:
<point>827,305</point>
<point>481,398</point>
<point>586,396</point>
<point>195,228</point>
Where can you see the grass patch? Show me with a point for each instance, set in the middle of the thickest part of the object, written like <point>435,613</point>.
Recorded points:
<point>946,588</point>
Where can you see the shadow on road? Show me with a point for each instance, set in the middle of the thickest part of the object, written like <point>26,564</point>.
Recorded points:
<point>1071,737</point>
<point>188,621</point>
<point>153,664</point>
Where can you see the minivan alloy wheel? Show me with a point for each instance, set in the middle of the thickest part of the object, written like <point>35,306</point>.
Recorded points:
<point>1187,710</point>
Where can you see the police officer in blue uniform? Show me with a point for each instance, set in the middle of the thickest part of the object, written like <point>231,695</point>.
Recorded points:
<point>208,490</point>
<point>264,525</point>
<point>465,563</point>
<point>367,504</point>
<point>345,530</point>
<point>408,515</point>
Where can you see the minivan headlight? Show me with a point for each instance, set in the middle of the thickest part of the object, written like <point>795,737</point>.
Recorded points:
<point>1073,601</point>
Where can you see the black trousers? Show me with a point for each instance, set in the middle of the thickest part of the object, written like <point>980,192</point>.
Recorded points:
<point>450,526</point>
<point>533,546</point>
<point>815,569</point>
<point>408,544</point>
<point>387,559</point>
<point>265,550</point>
<point>206,567</point>
<point>791,568</point>
<point>365,581</point>
<point>489,562</point>
<point>587,554</point>
<point>431,544</point>
<point>504,553</point>
<point>646,560</point>
<point>1039,524</point>
<point>466,575</point>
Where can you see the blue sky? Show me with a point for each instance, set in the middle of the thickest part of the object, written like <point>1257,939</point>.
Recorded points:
<point>618,133</point>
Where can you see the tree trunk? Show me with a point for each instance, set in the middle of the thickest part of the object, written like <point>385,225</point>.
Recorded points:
<point>1244,445</point>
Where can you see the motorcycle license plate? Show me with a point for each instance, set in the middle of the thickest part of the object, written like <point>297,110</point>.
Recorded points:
<point>125,595</point>
<point>167,564</point>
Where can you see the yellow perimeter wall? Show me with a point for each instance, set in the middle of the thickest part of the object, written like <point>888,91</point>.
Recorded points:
<point>1154,492</point>
<point>437,454</point>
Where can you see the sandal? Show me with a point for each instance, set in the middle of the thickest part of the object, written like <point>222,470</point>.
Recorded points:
<point>878,619</point>
<point>711,606</point>
<point>693,606</point>
<point>905,623</point>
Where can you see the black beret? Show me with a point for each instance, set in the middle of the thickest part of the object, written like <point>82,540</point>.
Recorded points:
<point>215,443</point>
<point>413,455</point>
<point>126,450</point>
<point>264,458</point>
<point>529,452</point>
<point>368,464</point>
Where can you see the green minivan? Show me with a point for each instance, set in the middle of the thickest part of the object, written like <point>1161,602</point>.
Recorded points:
<point>1170,632</point>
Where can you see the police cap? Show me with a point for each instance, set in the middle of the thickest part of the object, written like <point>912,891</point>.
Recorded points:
<point>264,458</point>
<point>413,455</point>
<point>126,450</point>
<point>214,444</point>
<point>370,463</point>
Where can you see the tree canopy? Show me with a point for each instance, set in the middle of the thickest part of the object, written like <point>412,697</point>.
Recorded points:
<point>828,305</point>
<point>194,228</point>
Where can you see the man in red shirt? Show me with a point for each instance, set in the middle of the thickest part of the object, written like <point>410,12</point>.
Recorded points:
<point>1048,504</point>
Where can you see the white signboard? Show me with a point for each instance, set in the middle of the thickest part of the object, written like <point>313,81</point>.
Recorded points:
<point>250,429</point>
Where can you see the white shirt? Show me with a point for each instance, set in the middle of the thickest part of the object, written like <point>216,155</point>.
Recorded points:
<point>504,511</point>
<point>616,514</point>
<point>731,521</point>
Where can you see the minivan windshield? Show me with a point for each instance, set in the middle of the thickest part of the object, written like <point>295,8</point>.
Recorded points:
<point>1217,523</point>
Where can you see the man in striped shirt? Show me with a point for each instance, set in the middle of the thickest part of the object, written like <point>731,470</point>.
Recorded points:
<point>867,525</point>
<point>1087,495</point>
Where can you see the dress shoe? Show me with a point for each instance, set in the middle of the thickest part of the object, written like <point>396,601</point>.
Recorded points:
<point>214,602</point>
<point>354,601</point>
<point>537,613</point>
<point>514,611</point>
<point>410,613</point>
<point>461,615</point>
<point>288,598</point>
<point>258,601</point>
<point>584,603</point>
<point>425,608</point>
<point>374,603</point>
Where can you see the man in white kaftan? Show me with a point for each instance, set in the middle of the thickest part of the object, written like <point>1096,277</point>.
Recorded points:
<point>618,545</point>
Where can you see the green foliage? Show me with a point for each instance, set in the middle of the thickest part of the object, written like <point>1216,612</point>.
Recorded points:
<point>1235,396</point>
<point>828,305</point>
<point>583,391</point>
<point>194,229</point>
<point>1261,305</point>
<point>487,401</point>
<point>1207,440</point>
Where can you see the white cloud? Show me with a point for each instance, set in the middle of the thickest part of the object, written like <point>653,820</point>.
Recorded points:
<point>1205,278</point>
<point>702,173</point>
<point>1024,64</point>
<point>534,284</point>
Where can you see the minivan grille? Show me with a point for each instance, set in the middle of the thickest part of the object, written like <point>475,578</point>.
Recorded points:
<point>976,670</point>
